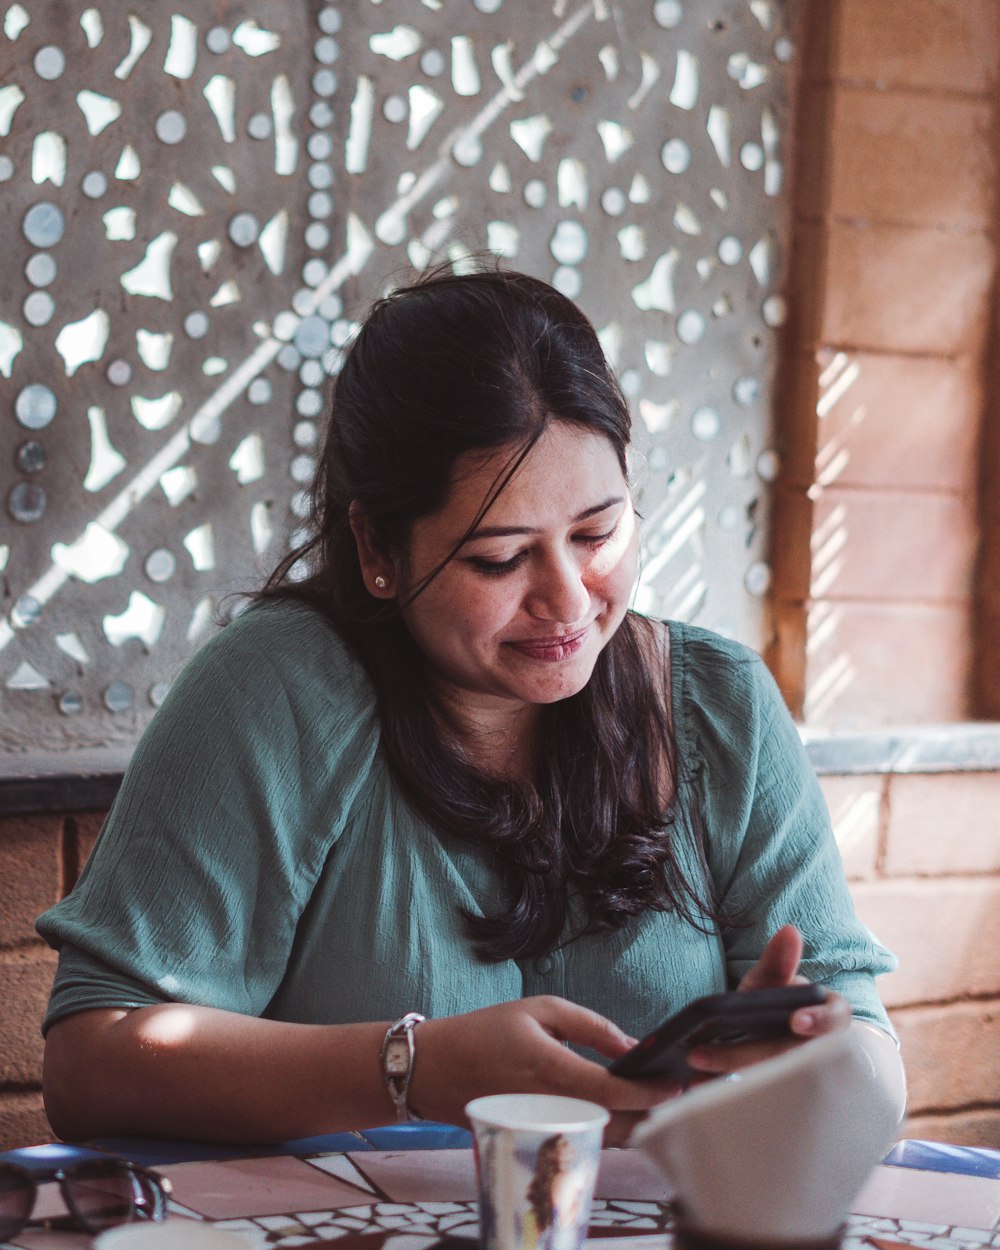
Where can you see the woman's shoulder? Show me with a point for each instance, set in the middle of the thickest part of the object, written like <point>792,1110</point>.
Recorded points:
<point>281,634</point>
<point>277,650</point>
<point>277,683</point>
<point>721,689</point>
<point>694,654</point>
<point>694,644</point>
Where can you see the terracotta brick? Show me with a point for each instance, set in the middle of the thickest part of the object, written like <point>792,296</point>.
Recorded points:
<point>785,656</point>
<point>863,660</point>
<point>960,1128</point>
<point>813,152</point>
<point>30,872</point>
<point>790,542</point>
<point>894,157</point>
<point>909,159</point>
<point>855,809</point>
<point>25,980</point>
<point>892,546</point>
<point>905,289</point>
<point>817,40</point>
<point>805,284</point>
<point>943,824</point>
<point>897,421</point>
<point>989,564</point>
<point>796,431</point>
<point>22,1120</point>
<point>951,1054</point>
<point>84,827</point>
<point>946,45</point>
<point>945,933</point>
<point>986,675</point>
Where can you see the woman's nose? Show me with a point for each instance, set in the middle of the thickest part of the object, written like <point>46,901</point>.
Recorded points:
<point>559,592</point>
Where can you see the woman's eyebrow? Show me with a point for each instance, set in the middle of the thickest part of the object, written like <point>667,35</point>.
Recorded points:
<point>505,531</point>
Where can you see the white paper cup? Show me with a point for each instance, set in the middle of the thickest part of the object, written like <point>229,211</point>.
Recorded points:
<point>536,1160</point>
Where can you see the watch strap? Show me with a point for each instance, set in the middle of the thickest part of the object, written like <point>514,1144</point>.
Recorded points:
<point>398,1059</point>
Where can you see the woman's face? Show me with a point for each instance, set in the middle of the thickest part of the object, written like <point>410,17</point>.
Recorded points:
<point>522,611</point>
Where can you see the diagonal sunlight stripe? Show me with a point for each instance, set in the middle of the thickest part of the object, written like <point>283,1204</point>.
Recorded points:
<point>359,251</point>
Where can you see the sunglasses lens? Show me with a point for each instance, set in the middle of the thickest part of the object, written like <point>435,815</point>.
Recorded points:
<point>102,1195</point>
<point>17,1197</point>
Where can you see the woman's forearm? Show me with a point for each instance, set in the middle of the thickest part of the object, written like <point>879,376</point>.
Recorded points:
<point>198,1072</point>
<point>211,1075</point>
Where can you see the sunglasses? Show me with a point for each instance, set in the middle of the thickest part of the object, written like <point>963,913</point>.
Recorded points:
<point>99,1194</point>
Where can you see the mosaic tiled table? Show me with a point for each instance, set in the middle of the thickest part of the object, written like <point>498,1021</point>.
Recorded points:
<point>367,1197</point>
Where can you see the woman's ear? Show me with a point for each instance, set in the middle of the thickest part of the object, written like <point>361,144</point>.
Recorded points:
<point>378,571</point>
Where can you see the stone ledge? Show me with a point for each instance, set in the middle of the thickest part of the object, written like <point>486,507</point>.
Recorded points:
<point>963,747</point>
<point>77,781</point>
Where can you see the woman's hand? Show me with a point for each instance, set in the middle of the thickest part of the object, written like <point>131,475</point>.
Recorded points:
<point>777,966</point>
<point>517,1047</point>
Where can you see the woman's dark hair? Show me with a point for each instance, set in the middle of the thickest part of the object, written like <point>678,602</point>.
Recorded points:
<point>474,362</point>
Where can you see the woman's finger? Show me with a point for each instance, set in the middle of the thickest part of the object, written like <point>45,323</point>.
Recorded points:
<point>720,1058</point>
<point>778,963</point>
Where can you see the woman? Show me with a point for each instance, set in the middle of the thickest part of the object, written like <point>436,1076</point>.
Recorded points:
<point>439,767</point>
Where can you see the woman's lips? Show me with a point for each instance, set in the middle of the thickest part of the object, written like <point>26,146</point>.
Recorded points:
<point>551,648</point>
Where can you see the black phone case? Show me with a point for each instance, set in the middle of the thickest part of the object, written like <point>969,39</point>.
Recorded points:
<point>738,1016</point>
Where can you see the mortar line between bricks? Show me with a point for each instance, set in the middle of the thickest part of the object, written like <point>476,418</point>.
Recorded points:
<point>964,1108</point>
<point>977,999</point>
<point>986,874</point>
<point>21,947</point>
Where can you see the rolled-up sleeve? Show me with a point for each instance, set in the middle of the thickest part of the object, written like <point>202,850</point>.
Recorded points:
<point>235,797</point>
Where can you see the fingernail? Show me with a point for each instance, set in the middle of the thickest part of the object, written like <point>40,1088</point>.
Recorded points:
<point>803,1022</point>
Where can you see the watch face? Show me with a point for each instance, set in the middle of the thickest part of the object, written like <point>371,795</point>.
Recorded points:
<point>397,1056</point>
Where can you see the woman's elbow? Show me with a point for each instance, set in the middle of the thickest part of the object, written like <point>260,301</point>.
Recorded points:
<point>75,1075</point>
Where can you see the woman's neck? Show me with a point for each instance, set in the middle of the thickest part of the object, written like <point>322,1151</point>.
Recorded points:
<point>501,742</point>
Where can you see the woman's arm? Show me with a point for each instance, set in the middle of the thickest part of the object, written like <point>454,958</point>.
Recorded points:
<point>199,1072</point>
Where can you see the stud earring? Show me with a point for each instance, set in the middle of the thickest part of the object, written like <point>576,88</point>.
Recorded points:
<point>380,582</point>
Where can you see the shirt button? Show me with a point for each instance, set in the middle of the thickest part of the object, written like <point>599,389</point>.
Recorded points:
<point>543,965</point>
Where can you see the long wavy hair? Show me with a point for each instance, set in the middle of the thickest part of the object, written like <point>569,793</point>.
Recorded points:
<point>476,362</point>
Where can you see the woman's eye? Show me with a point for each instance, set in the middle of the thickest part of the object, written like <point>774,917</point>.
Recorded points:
<point>497,568</point>
<point>596,540</point>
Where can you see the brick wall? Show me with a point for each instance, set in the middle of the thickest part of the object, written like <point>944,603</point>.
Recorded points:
<point>923,856</point>
<point>886,531</point>
<point>39,862</point>
<point>877,518</point>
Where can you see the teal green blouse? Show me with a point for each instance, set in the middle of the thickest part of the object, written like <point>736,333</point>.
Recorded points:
<point>259,856</point>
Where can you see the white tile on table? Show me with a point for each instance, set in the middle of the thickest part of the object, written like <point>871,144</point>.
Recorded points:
<point>242,1188</point>
<point>420,1175</point>
<point>637,1208</point>
<point>630,1174</point>
<point>342,1167</point>
<point>930,1197</point>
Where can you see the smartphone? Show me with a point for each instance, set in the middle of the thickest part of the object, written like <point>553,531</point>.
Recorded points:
<point>738,1016</point>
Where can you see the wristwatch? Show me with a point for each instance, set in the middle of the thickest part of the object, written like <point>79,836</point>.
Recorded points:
<point>398,1057</point>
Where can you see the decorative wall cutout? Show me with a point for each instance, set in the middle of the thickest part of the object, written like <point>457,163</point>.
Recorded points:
<point>199,209</point>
